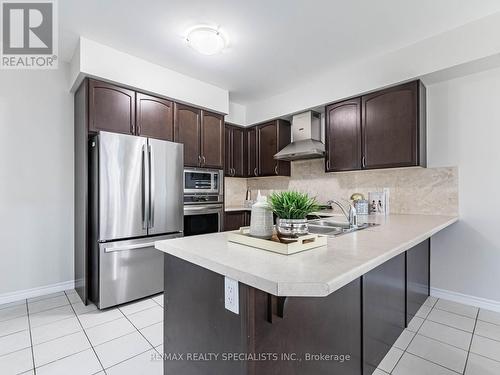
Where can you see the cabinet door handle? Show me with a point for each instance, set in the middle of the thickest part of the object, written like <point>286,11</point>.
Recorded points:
<point>363,162</point>
<point>138,129</point>
<point>328,165</point>
<point>199,160</point>
<point>204,160</point>
<point>255,171</point>
<point>276,169</point>
<point>233,171</point>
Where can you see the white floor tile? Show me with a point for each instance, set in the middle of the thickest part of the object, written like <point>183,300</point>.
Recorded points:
<point>80,308</point>
<point>159,349</point>
<point>154,334</point>
<point>147,317</point>
<point>47,304</point>
<point>490,330</point>
<point>489,316</point>
<point>443,354</point>
<point>412,365</point>
<point>478,365</point>
<point>109,331</point>
<point>415,324</point>
<point>14,303</point>
<point>122,348</point>
<point>404,339</point>
<point>486,347</point>
<point>45,296</point>
<point>55,330</point>
<point>16,362</point>
<point>83,363</point>
<point>391,358</point>
<point>134,307</point>
<point>457,308</point>
<point>446,334</point>
<point>423,311</point>
<point>430,301</point>
<point>379,372</point>
<point>159,300</point>
<point>13,325</point>
<point>73,298</point>
<point>60,348</point>
<point>51,316</point>
<point>453,320</point>
<point>13,312</point>
<point>14,342</point>
<point>145,363</point>
<point>96,317</point>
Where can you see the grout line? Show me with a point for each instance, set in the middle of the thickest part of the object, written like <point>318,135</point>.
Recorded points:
<point>434,363</point>
<point>85,333</point>
<point>455,313</point>
<point>125,360</point>
<point>31,339</point>
<point>138,330</point>
<point>470,344</point>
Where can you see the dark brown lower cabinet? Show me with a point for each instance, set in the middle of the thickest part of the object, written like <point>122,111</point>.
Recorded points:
<point>234,220</point>
<point>417,277</point>
<point>357,324</point>
<point>383,310</point>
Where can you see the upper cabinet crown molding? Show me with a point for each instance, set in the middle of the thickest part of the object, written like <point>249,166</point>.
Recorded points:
<point>383,129</point>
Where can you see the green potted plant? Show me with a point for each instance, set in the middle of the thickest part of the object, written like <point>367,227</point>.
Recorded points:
<point>291,209</point>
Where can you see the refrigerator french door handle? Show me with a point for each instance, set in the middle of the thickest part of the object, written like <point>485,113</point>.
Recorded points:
<point>151,187</point>
<point>145,210</point>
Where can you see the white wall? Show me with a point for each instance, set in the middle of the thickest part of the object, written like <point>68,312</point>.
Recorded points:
<point>474,41</point>
<point>464,130</point>
<point>36,179</point>
<point>97,60</point>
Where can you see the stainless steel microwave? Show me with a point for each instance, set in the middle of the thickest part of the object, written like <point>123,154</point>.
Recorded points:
<point>203,181</point>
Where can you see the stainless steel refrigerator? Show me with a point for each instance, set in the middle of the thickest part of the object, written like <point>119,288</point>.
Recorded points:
<point>136,198</point>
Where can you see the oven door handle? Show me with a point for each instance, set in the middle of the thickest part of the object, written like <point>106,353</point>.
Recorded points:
<point>203,210</point>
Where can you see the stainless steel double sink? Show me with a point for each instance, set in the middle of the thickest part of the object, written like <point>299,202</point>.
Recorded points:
<point>331,227</point>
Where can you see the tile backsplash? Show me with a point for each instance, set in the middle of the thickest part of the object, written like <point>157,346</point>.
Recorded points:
<point>412,190</point>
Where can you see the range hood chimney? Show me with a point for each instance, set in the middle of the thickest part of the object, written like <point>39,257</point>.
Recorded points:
<point>306,138</point>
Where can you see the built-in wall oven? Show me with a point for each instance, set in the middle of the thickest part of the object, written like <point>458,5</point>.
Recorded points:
<point>203,201</point>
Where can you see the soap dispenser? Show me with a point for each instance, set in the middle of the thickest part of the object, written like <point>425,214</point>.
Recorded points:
<point>261,221</point>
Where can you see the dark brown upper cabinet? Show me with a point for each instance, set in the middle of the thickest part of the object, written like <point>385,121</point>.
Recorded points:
<point>235,160</point>
<point>212,140</point>
<point>155,117</point>
<point>394,127</point>
<point>384,129</point>
<point>251,152</point>
<point>111,108</point>
<point>187,130</point>
<point>343,136</point>
<point>271,138</point>
<point>202,134</point>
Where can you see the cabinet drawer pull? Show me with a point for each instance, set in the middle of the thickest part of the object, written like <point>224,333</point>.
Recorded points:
<point>276,169</point>
<point>255,171</point>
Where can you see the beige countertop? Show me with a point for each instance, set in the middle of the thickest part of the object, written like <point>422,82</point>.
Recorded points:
<point>313,273</point>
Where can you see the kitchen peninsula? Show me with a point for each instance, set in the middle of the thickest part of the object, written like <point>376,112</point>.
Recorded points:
<point>336,309</point>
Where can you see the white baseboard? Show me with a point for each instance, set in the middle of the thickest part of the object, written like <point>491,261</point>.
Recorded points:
<point>482,303</point>
<point>36,292</point>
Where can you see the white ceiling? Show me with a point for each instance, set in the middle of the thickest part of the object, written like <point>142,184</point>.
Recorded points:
<point>274,45</point>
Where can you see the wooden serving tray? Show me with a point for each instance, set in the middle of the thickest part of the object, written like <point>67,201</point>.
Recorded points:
<point>310,241</point>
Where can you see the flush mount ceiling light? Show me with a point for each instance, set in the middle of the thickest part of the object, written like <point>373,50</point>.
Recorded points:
<point>206,40</point>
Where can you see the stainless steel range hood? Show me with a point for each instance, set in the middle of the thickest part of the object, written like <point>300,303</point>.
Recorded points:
<point>306,138</point>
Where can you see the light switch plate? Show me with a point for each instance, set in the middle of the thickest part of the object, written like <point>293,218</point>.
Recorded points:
<point>231,295</point>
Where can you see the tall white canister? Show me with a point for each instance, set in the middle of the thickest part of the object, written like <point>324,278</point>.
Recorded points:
<point>261,221</point>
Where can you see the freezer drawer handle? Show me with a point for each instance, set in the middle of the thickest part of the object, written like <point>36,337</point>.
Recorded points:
<point>128,247</point>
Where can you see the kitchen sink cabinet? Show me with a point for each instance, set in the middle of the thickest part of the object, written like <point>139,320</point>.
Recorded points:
<point>343,136</point>
<point>154,117</point>
<point>111,108</point>
<point>235,155</point>
<point>272,137</point>
<point>234,220</point>
<point>383,129</point>
<point>384,315</point>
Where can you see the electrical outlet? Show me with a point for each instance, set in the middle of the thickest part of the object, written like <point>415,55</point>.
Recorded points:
<point>231,295</point>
